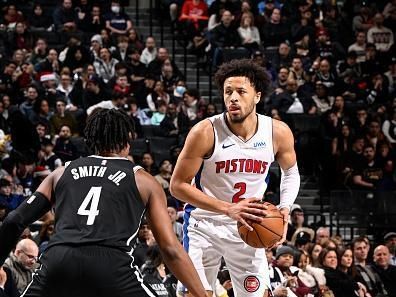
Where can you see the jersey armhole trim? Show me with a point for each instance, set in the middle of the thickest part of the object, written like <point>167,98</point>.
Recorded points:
<point>136,168</point>
<point>214,143</point>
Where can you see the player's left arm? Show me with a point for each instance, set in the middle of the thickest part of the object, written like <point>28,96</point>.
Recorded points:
<point>30,210</point>
<point>290,177</point>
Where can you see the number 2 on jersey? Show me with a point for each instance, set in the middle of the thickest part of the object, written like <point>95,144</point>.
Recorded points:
<point>242,190</point>
<point>93,197</point>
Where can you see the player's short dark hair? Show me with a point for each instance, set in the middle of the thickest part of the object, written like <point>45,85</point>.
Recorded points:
<point>108,130</point>
<point>247,68</point>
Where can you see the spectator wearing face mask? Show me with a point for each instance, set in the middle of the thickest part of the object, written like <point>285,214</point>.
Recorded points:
<point>117,22</point>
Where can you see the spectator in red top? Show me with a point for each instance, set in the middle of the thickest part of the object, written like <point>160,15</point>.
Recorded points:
<point>194,18</point>
<point>122,85</point>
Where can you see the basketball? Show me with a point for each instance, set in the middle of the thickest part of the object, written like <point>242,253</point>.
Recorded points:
<point>266,233</point>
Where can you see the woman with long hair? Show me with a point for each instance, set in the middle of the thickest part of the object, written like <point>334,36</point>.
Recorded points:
<point>340,283</point>
<point>314,252</point>
<point>41,112</point>
<point>249,33</point>
<point>134,40</point>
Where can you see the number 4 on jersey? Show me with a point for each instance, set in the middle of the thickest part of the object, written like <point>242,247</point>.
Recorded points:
<point>93,197</point>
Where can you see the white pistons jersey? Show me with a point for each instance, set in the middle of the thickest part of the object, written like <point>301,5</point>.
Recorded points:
<point>237,169</point>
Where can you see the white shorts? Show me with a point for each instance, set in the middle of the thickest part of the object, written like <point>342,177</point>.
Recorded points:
<point>206,241</point>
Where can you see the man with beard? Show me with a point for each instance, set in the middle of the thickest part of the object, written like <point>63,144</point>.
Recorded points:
<point>390,242</point>
<point>214,175</point>
<point>64,148</point>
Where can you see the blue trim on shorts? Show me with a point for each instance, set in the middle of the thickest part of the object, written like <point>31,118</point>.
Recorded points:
<point>188,209</point>
<point>186,217</point>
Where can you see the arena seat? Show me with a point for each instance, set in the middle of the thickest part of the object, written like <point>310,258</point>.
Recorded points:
<point>235,54</point>
<point>139,146</point>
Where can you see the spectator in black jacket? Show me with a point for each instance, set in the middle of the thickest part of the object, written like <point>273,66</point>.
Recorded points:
<point>175,123</point>
<point>365,273</point>
<point>64,148</point>
<point>224,36</point>
<point>340,283</point>
<point>93,21</point>
<point>275,31</point>
<point>386,271</point>
<point>155,66</point>
<point>38,19</point>
<point>64,17</point>
<point>94,92</point>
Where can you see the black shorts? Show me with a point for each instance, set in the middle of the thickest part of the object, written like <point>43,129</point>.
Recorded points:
<point>87,271</point>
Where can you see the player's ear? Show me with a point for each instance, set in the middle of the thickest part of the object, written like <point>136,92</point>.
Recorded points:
<point>257,97</point>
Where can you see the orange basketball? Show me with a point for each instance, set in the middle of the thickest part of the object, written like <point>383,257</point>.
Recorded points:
<point>266,233</point>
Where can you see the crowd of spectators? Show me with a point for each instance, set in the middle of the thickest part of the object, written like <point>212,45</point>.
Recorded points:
<point>333,61</point>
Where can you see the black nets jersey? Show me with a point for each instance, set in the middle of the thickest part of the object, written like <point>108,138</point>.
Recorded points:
<point>97,202</point>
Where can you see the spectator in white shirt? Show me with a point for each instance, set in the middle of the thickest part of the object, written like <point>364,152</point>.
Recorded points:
<point>249,33</point>
<point>380,35</point>
<point>150,51</point>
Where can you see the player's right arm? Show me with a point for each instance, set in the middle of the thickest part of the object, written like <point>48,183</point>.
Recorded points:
<point>199,144</point>
<point>30,210</point>
<point>172,251</point>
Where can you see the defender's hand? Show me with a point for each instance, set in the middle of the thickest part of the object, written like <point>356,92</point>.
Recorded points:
<point>247,209</point>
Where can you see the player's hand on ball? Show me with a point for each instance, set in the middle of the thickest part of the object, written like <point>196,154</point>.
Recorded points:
<point>285,213</point>
<point>247,209</point>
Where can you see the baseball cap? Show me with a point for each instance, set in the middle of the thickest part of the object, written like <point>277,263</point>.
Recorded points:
<point>389,235</point>
<point>284,249</point>
<point>302,238</point>
<point>295,207</point>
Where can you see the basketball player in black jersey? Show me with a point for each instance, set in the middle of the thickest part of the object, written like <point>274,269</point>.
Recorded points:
<point>99,203</point>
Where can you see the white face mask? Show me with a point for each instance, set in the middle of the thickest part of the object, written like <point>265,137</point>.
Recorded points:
<point>115,9</point>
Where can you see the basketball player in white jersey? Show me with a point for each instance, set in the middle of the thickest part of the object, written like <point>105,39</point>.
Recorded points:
<point>222,174</point>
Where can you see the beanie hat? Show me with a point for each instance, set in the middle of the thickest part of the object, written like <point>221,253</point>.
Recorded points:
<point>284,249</point>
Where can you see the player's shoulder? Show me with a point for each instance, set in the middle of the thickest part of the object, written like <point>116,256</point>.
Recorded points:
<point>280,129</point>
<point>202,128</point>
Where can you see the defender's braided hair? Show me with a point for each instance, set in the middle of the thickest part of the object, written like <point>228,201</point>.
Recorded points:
<point>108,130</point>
